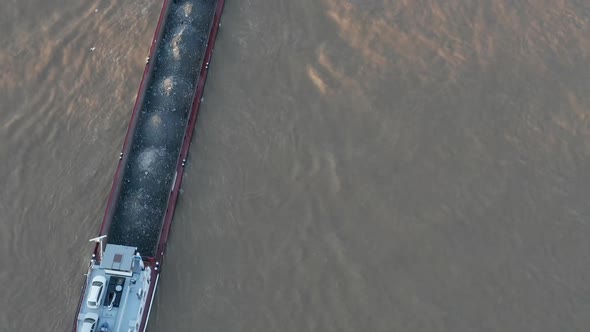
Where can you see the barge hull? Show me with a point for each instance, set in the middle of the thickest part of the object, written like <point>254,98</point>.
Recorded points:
<point>121,226</point>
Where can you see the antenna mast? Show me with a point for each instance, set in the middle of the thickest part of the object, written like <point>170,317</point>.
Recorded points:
<point>99,241</point>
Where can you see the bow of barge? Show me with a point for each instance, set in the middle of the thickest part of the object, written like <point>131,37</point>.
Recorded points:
<point>124,270</point>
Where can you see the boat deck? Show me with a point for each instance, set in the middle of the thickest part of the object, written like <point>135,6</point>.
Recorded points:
<point>122,300</point>
<point>150,169</point>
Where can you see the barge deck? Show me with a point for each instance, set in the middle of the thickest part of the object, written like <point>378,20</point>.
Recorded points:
<point>150,167</point>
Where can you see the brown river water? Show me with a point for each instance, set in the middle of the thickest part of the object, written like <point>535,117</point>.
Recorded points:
<point>358,165</point>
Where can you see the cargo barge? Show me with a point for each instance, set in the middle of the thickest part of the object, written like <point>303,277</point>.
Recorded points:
<point>124,270</point>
